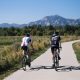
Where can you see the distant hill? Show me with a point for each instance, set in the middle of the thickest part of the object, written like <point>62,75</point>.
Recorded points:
<point>54,20</point>
<point>12,25</point>
<point>9,25</point>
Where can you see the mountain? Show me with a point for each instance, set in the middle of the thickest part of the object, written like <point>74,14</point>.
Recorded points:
<point>9,25</point>
<point>12,25</point>
<point>55,20</point>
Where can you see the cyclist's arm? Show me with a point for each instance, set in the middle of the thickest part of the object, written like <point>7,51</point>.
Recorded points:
<point>60,42</point>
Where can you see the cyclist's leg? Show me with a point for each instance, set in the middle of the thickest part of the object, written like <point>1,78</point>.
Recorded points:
<point>23,48</point>
<point>52,50</point>
<point>58,50</point>
<point>59,53</point>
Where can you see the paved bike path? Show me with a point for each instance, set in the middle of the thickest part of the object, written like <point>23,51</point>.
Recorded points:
<point>68,58</point>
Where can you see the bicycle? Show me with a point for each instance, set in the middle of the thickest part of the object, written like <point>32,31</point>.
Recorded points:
<point>26,59</point>
<point>56,59</point>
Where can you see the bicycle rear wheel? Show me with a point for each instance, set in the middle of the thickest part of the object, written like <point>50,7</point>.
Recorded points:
<point>24,63</point>
<point>56,60</point>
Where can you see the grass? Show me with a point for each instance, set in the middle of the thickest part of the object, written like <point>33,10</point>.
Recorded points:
<point>76,47</point>
<point>69,38</point>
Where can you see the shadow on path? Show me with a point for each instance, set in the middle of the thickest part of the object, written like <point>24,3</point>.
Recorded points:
<point>41,67</point>
<point>60,68</point>
<point>67,68</point>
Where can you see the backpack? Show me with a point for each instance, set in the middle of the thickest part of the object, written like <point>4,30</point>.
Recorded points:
<point>28,40</point>
<point>55,40</point>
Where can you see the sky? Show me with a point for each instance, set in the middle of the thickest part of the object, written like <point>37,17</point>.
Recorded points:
<point>25,11</point>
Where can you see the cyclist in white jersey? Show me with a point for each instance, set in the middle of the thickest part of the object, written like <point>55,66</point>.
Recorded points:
<point>26,42</point>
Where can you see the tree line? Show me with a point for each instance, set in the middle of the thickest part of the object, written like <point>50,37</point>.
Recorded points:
<point>38,30</point>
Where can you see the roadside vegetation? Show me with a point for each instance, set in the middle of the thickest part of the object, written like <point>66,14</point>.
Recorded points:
<point>76,47</point>
<point>69,38</point>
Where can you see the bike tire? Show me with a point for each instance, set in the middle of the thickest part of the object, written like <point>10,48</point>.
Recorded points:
<point>56,61</point>
<point>24,63</point>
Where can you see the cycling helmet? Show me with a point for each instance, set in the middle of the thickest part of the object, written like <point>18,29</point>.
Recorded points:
<point>54,35</point>
<point>28,35</point>
<point>57,33</point>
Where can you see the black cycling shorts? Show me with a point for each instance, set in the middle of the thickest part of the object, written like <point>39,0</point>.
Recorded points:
<point>24,48</point>
<point>53,47</point>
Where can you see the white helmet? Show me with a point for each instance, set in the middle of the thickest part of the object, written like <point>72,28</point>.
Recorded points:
<point>54,35</point>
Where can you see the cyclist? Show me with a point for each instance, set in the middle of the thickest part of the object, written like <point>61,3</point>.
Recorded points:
<point>26,42</point>
<point>55,43</point>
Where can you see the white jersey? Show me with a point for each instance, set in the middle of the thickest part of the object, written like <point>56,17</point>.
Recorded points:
<point>25,41</point>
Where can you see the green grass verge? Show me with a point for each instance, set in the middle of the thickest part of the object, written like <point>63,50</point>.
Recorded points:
<point>76,47</point>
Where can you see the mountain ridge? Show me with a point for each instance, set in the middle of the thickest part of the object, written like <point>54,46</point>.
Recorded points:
<point>54,20</point>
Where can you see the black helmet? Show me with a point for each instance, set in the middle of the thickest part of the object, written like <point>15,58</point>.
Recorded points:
<point>28,35</point>
<point>57,33</point>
